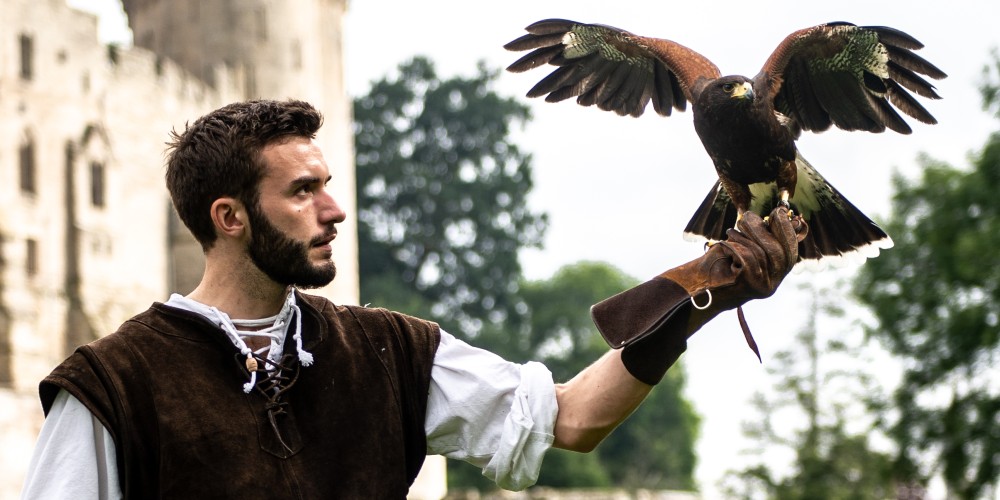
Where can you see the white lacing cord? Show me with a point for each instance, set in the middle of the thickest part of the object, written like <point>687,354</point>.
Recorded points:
<point>277,331</point>
<point>234,335</point>
<point>305,357</point>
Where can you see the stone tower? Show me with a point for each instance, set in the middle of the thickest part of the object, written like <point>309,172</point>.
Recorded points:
<point>282,50</point>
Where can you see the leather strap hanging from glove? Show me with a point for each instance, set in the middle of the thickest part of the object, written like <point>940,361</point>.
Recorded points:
<point>652,321</point>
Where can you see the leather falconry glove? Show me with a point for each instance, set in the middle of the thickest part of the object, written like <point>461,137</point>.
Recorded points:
<point>652,321</point>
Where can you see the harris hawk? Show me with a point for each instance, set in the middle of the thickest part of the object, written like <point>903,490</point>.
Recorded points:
<point>853,77</point>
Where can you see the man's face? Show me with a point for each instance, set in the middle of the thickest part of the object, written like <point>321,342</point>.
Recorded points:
<point>293,225</point>
<point>283,259</point>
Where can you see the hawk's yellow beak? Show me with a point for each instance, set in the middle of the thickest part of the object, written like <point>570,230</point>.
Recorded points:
<point>744,91</point>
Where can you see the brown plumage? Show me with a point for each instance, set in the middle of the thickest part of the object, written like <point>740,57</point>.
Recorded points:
<point>835,74</point>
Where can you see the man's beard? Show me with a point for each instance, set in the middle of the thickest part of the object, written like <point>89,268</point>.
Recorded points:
<point>283,259</point>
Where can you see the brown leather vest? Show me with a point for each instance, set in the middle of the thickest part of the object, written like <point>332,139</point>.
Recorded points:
<point>168,385</point>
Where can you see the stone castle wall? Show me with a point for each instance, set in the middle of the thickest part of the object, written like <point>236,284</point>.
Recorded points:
<point>91,239</point>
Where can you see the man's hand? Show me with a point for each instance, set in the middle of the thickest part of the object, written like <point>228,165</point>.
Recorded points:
<point>653,320</point>
<point>748,264</point>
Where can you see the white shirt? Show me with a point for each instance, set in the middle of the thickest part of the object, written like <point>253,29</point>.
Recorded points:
<point>481,408</point>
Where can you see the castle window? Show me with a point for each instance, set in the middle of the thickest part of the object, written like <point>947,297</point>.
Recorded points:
<point>260,16</point>
<point>27,57</point>
<point>113,55</point>
<point>97,184</point>
<point>27,163</point>
<point>31,258</point>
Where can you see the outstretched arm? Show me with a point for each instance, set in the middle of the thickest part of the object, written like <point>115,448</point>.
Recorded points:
<point>648,325</point>
<point>594,402</point>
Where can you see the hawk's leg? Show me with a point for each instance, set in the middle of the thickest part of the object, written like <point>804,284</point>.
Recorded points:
<point>787,179</point>
<point>784,198</point>
<point>739,194</point>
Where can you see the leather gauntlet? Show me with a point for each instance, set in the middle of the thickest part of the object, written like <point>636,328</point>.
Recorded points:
<point>653,320</point>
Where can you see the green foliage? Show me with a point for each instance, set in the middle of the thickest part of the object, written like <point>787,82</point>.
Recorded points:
<point>558,331</point>
<point>441,195</point>
<point>990,86</point>
<point>936,298</point>
<point>821,380</point>
<point>442,215</point>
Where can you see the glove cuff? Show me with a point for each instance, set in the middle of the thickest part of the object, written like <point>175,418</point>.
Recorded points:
<point>649,323</point>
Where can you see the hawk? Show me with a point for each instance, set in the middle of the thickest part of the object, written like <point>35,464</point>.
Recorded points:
<point>853,77</point>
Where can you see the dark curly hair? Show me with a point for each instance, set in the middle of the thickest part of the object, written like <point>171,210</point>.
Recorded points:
<point>220,155</point>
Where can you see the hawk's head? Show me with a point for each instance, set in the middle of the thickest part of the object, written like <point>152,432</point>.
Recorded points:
<point>728,90</point>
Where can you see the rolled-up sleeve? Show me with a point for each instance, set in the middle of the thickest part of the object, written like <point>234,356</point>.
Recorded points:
<point>490,412</point>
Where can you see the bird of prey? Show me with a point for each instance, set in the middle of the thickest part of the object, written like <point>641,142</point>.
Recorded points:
<point>853,77</point>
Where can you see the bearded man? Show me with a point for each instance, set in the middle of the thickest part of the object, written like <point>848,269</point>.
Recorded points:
<point>248,387</point>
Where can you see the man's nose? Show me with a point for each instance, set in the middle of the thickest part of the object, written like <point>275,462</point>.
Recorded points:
<point>329,209</point>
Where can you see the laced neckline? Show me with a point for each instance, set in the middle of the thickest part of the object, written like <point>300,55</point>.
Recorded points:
<point>274,328</point>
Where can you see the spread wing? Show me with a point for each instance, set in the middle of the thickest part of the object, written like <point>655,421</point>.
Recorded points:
<point>854,77</point>
<point>612,68</point>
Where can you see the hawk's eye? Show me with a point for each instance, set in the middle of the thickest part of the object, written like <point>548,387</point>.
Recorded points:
<point>729,87</point>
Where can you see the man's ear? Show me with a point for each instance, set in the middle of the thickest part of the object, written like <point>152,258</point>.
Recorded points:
<point>229,216</point>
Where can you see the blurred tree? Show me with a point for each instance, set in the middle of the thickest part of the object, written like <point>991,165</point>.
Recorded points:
<point>936,299</point>
<point>820,382</point>
<point>990,86</point>
<point>441,197</point>
<point>442,215</point>
<point>557,330</point>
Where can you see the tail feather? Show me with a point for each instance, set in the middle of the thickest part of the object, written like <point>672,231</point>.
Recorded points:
<point>715,215</point>
<point>837,229</point>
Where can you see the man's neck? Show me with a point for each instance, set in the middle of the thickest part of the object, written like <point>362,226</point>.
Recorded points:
<point>232,283</point>
<point>240,303</point>
<point>239,290</point>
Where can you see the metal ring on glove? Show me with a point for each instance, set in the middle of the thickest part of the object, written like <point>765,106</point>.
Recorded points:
<point>707,304</point>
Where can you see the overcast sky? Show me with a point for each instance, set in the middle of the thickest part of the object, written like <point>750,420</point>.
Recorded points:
<point>621,190</point>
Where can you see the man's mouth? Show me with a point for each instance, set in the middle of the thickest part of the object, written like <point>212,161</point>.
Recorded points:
<point>324,240</point>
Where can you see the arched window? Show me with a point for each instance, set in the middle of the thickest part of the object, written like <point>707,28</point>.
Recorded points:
<point>27,164</point>
<point>97,184</point>
<point>31,257</point>
<point>27,57</point>
<point>94,149</point>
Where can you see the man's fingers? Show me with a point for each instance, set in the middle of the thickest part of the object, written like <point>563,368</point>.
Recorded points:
<point>753,227</point>
<point>759,232</point>
<point>779,236</point>
<point>748,254</point>
<point>801,228</point>
<point>783,230</point>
